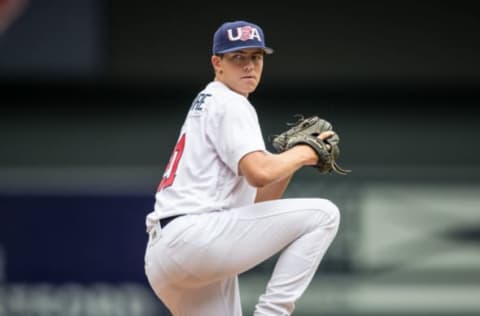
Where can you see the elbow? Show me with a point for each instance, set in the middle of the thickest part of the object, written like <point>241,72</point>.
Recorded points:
<point>255,168</point>
<point>259,179</point>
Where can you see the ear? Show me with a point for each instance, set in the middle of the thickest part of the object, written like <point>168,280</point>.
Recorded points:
<point>216,62</point>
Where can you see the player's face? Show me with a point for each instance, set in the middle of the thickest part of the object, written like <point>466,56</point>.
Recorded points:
<point>240,70</point>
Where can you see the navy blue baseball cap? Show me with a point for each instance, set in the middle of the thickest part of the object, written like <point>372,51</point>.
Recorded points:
<point>236,35</point>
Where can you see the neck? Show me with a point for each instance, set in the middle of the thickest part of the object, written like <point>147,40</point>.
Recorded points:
<point>229,87</point>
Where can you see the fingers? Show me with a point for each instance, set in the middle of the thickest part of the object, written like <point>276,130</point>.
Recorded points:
<point>326,135</point>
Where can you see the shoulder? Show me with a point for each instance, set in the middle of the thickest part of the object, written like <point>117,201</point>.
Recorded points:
<point>224,99</point>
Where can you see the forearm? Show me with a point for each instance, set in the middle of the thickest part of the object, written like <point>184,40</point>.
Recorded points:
<point>273,190</point>
<point>278,166</point>
<point>262,169</point>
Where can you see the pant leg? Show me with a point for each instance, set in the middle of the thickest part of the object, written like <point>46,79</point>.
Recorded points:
<point>221,298</point>
<point>207,248</point>
<point>295,269</point>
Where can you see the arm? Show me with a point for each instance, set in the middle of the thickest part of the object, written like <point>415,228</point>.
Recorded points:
<point>262,169</point>
<point>272,191</point>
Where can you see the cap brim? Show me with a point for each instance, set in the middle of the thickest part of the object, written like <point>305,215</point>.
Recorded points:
<point>267,50</point>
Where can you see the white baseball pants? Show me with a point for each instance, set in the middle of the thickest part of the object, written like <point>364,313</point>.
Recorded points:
<point>192,264</point>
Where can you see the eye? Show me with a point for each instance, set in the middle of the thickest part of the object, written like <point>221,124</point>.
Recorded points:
<point>257,57</point>
<point>238,58</point>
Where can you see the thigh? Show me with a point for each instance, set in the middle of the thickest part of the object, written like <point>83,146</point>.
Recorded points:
<point>222,244</point>
<point>220,298</point>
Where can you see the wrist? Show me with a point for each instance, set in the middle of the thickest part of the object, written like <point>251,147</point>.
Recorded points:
<point>307,155</point>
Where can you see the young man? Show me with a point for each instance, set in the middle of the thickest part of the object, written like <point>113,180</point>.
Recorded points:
<point>218,211</point>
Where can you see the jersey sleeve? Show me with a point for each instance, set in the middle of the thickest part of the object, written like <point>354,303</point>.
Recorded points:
<point>235,131</point>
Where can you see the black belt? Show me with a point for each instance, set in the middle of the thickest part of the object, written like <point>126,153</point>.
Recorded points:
<point>164,221</point>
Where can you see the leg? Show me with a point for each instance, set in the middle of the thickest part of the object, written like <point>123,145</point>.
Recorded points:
<point>221,298</point>
<point>198,250</point>
<point>294,271</point>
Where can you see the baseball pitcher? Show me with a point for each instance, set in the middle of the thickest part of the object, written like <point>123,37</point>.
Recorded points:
<point>218,210</point>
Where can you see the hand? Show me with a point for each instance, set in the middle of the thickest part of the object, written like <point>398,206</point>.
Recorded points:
<point>326,135</point>
<point>313,157</point>
<point>312,135</point>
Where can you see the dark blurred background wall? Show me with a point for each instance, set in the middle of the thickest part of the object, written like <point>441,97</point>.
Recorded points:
<point>93,94</point>
<point>396,64</point>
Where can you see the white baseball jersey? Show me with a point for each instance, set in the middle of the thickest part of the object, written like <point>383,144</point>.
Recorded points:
<point>193,263</point>
<point>202,174</point>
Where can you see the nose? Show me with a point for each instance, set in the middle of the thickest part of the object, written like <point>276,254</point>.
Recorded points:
<point>248,66</point>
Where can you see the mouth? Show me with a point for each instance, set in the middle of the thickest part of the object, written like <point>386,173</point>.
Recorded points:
<point>249,77</point>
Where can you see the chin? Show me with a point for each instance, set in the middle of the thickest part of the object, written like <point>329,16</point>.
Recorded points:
<point>246,89</point>
<point>247,92</point>
<point>251,88</point>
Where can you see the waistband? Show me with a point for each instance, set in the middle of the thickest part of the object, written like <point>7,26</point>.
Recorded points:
<point>165,221</point>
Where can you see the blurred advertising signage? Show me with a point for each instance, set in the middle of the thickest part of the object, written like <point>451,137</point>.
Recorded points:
<point>9,11</point>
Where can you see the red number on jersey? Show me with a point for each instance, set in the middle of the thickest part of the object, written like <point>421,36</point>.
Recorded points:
<point>169,175</point>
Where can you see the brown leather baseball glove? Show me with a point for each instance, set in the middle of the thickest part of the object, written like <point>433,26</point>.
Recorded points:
<point>306,131</point>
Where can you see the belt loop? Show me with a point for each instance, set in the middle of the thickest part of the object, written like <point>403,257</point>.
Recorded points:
<point>156,231</point>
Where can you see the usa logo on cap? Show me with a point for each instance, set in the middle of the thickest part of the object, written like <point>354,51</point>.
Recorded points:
<point>244,33</point>
<point>237,35</point>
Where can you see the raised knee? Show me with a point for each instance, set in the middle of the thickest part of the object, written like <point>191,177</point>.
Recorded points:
<point>331,210</point>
